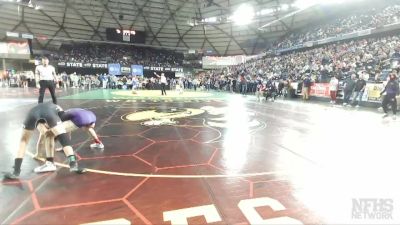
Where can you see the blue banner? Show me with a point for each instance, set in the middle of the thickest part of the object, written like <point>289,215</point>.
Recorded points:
<point>137,70</point>
<point>114,69</point>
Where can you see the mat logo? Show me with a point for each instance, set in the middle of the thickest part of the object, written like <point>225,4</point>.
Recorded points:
<point>159,122</point>
<point>224,117</point>
<point>162,116</point>
<point>248,207</point>
<point>216,118</point>
<point>372,209</point>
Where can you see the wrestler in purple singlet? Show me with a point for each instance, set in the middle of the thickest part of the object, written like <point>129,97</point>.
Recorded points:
<point>80,117</point>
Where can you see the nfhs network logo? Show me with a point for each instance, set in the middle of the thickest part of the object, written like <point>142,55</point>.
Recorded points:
<point>372,208</point>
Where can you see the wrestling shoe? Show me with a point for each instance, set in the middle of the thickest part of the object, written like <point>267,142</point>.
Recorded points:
<point>394,117</point>
<point>385,115</point>
<point>11,176</point>
<point>97,145</point>
<point>75,168</point>
<point>46,167</point>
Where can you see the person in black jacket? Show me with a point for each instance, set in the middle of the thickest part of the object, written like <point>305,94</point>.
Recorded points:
<point>392,90</point>
<point>349,88</point>
<point>359,89</point>
<point>271,91</point>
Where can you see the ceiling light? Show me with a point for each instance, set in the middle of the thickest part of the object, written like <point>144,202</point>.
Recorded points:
<point>266,11</point>
<point>304,4</point>
<point>243,15</point>
<point>212,19</point>
<point>284,7</point>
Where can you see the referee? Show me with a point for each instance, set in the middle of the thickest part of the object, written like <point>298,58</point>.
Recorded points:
<point>46,78</point>
<point>163,82</point>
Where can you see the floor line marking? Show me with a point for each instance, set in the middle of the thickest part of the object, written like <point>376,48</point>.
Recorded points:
<point>137,212</point>
<point>172,176</point>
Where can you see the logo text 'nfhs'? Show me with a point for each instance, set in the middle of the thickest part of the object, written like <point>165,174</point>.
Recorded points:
<point>372,208</point>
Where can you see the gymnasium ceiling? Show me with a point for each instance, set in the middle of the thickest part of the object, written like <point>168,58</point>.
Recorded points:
<point>168,23</point>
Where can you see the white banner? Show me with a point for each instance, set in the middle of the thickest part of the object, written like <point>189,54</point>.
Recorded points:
<point>212,62</point>
<point>364,32</point>
<point>3,48</point>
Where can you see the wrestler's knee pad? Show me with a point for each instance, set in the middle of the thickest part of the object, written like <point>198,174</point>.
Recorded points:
<point>64,140</point>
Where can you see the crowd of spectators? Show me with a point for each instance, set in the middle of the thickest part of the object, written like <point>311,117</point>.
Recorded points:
<point>123,54</point>
<point>106,81</point>
<point>368,18</point>
<point>369,56</point>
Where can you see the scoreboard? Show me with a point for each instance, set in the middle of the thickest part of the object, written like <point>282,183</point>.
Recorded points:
<point>130,36</point>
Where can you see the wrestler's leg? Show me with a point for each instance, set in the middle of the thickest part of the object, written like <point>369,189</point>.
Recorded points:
<point>25,137</point>
<point>50,145</point>
<point>60,132</point>
<point>69,128</point>
<point>49,165</point>
<point>40,147</point>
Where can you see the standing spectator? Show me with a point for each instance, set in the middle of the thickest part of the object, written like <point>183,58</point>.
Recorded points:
<point>286,88</point>
<point>243,84</point>
<point>180,86</point>
<point>260,90</point>
<point>333,87</point>
<point>104,81</point>
<point>87,82</point>
<point>172,84</point>
<point>208,84</point>
<point>392,90</point>
<point>306,87</point>
<point>59,81</point>
<point>349,88</point>
<point>216,85</point>
<point>281,85</point>
<point>234,83</point>
<point>195,83</point>
<point>129,84</point>
<point>24,80</point>
<point>46,78</point>
<point>65,81</point>
<point>359,91</point>
<point>270,91</point>
<point>114,81</point>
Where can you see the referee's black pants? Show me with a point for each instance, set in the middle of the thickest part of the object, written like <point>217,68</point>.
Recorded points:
<point>163,89</point>
<point>389,100</point>
<point>44,84</point>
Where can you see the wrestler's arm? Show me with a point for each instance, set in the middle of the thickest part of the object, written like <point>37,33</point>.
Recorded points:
<point>41,144</point>
<point>92,132</point>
